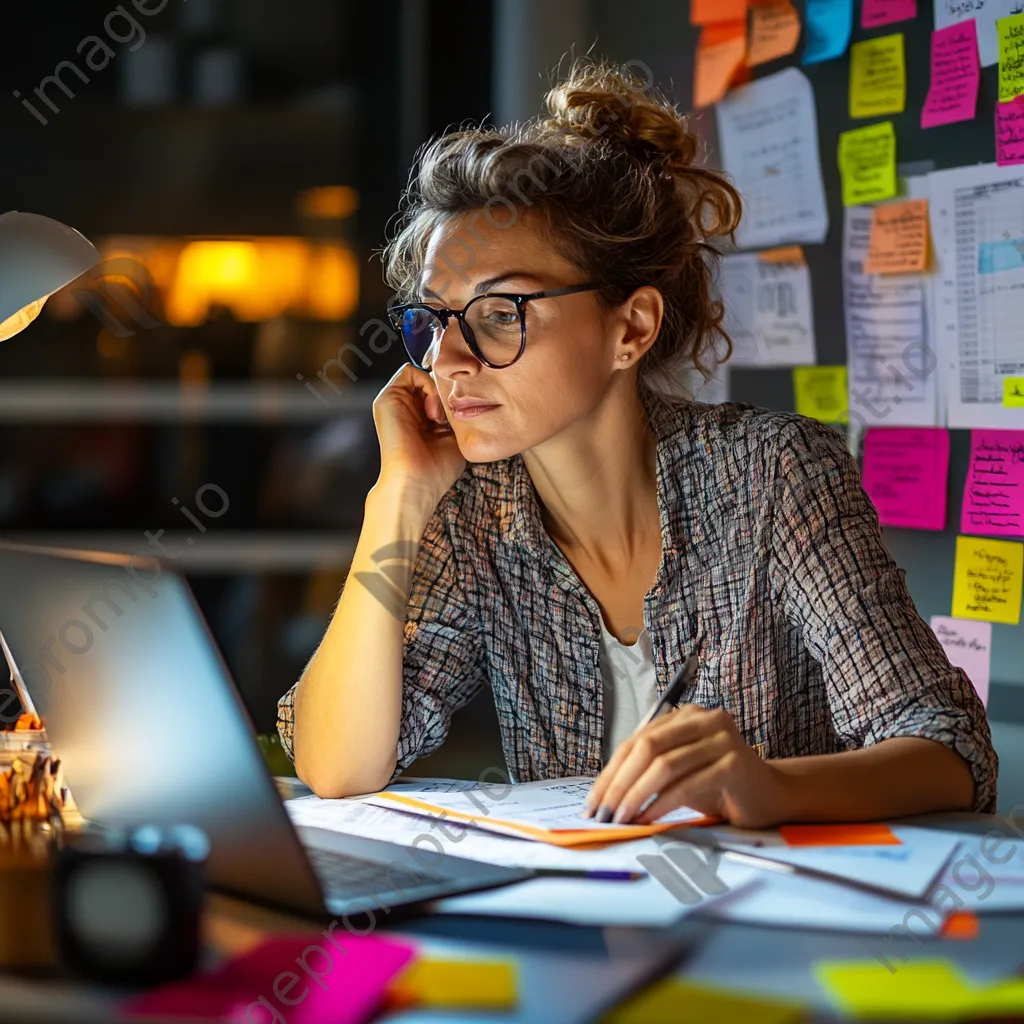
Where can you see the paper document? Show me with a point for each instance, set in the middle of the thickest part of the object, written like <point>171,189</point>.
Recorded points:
<point>968,645</point>
<point>892,368</point>
<point>547,810</point>
<point>985,13</point>
<point>768,311</point>
<point>977,224</point>
<point>768,133</point>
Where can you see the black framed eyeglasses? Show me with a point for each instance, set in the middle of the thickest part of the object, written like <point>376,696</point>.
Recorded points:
<point>494,325</point>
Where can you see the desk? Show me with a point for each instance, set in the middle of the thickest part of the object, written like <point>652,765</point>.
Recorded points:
<point>774,962</point>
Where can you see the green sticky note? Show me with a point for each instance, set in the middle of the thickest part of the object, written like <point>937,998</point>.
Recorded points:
<point>820,393</point>
<point>1011,56</point>
<point>867,163</point>
<point>1013,392</point>
<point>878,79</point>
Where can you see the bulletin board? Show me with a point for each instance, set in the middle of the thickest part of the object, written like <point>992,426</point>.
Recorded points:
<point>658,31</point>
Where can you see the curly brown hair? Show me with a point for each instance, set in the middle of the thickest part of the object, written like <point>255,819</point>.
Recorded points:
<point>611,173</point>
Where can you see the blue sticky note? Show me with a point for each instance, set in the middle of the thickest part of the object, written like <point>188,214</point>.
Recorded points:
<point>827,30</point>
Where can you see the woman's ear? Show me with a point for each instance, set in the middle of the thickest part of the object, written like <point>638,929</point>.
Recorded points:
<point>642,314</point>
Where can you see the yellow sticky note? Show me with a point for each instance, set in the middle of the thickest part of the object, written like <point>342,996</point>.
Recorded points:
<point>987,580</point>
<point>1011,56</point>
<point>1013,392</point>
<point>898,243</point>
<point>476,984</point>
<point>918,989</point>
<point>820,393</point>
<point>678,1000</point>
<point>878,77</point>
<point>867,163</point>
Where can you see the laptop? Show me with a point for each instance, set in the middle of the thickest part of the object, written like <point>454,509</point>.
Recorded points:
<point>115,656</point>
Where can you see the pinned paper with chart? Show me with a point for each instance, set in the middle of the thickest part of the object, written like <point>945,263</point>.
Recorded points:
<point>768,134</point>
<point>956,75</point>
<point>985,13</point>
<point>968,645</point>
<point>987,580</point>
<point>768,312</point>
<point>905,474</point>
<point>994,489</point>
<point>892,365</point>
<point>977,227</point>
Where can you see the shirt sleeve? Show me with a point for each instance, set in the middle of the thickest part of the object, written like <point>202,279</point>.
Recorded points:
<point>443,658</point>
<point>885,672</point>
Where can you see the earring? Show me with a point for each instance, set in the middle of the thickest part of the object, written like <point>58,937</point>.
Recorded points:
<point>624,355</point>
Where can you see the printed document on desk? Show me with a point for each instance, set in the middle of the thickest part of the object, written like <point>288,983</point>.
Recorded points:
<point>547,810</point>
<point>977,222</point>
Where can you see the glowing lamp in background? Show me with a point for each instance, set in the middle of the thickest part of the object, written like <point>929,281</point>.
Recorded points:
<point>37,257</point>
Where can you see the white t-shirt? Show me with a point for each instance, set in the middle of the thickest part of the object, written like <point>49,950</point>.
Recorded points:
<point>630,686</point>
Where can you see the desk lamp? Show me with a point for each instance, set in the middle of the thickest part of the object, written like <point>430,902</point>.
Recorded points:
<point>37,257</point>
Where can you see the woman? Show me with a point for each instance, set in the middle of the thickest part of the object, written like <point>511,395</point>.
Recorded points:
<point>572,531</point>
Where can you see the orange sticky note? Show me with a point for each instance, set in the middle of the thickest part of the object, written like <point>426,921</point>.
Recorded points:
<point>720,53</point>
<point>708,12</point>
<point>961,925</point>
<point>899,238</point>
<point>784,254</point>
<point>774,31</point>
<point>860,834</point>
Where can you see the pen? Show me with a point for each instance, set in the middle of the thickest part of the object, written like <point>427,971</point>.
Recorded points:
<point>673,692</point>
<point>606,876</point>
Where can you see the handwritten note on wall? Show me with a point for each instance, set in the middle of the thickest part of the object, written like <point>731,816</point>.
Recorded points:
<point>876,13</point>
<point>968,645</point>
<point>878,80</point>
<point>1010,132</point>
<point>867,163</point>
<point>994,491</point>
<point>774,31</point>
<point>987,580</point>
<point>905,474</point>
<point>1011,56</point>
<point>953,93</point>
<point>820,393</point>
<point>899,238</point>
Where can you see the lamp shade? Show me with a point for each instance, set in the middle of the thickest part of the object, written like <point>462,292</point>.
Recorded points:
<point>38,255</point>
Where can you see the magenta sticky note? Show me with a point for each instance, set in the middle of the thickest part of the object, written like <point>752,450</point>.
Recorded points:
<point>953,93</point>
<point>1010,132</point>
<point>994,489</point>
<point>341,978</point>
<point>968,645</point>
<point>884,12</point>
<point>905,473</point>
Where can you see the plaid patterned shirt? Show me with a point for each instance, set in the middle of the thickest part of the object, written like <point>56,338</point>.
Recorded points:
<point>773,566</point>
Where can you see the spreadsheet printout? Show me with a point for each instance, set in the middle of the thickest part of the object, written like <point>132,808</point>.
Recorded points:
<point>977,223</point>
<point>768,133</point>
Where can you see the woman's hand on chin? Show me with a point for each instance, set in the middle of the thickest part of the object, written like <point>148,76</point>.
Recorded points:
<point>689,757</point>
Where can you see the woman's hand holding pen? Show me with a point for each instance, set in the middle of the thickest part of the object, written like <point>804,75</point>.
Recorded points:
<point>689,757</point>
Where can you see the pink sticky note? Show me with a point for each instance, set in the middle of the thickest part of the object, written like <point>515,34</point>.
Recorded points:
<point>994,491</point>
<point>968,645</point>
<point>953,93</point>
<point>885,12</point>
<point>300,980</point>
<point>1010,132</point>
<point>905,474</point>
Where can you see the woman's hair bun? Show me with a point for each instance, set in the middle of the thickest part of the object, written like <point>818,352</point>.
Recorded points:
<point>605,103</point>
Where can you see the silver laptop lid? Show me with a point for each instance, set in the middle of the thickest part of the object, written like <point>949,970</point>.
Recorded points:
<point>140,708</point>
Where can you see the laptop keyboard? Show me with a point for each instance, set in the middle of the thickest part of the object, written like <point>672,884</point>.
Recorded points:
<point>346,877</point>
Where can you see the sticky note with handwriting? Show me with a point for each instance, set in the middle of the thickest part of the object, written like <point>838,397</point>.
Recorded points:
<point>956,74</point>
<point>878,79</point>
<point>987,580</point>
<point>994,490</point>
<point>867,163</point>
<point>968,645</point>
<point>906,473</point>
<point>774,31</point>
<point>1011,56</point>
<point>1013,392</point>
<point>876,13</point>
<point>820,393</point>
<point>898,243</point>
<point>1010,132</point>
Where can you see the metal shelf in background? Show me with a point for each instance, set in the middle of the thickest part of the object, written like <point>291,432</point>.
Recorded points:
<point>54,401</point>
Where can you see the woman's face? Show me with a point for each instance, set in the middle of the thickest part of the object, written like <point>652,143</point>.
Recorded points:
<point>572,343</point>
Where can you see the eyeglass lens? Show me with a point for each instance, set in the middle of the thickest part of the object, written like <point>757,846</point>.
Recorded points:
<point>494,322</point>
